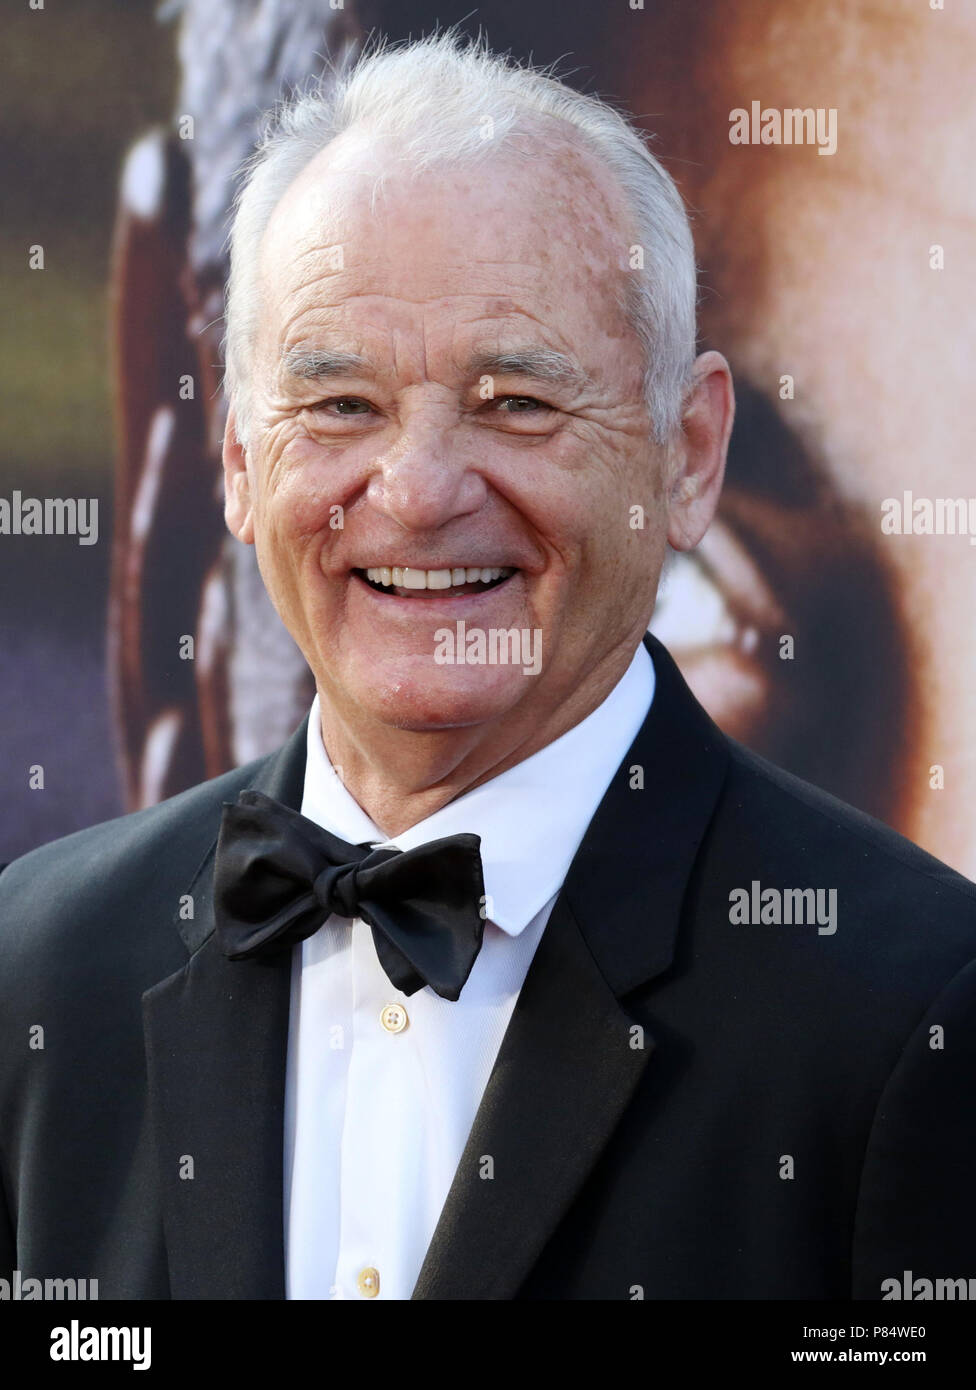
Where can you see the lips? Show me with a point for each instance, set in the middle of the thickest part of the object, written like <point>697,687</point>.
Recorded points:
<point>445,582</point>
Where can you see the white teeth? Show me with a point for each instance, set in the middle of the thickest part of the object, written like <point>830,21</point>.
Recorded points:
<point>405,577</point>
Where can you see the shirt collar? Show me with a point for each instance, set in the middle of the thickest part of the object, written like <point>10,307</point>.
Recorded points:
<point>530,818</point>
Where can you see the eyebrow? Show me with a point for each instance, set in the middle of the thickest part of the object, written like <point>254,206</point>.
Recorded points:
<point>539,364</point>
<point>312,363</point>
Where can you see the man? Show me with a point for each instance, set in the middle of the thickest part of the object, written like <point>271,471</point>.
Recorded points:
<point>508,975</point>
<point>796,549</point>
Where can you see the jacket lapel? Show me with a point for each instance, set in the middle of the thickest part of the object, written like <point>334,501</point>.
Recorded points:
<point>216,1037</point>
<point>568,1064</point>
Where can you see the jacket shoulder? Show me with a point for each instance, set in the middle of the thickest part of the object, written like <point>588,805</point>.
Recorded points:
<point>792,810</point>
<point>119,869</point>
<point>903,918</point>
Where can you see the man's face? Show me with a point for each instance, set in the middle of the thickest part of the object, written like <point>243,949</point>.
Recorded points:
<point>428,451</point>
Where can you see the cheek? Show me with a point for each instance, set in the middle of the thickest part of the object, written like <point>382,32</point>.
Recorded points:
<point>617,523</point>
<point>288,541</point>
<point>300,500</point>
<point>561,492</point>
<point>628,555</point>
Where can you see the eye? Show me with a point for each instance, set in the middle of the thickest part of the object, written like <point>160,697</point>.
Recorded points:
<point>521,405</point>
<point>346,405</point>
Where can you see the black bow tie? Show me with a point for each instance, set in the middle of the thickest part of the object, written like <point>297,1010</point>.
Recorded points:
<point>279,876</point>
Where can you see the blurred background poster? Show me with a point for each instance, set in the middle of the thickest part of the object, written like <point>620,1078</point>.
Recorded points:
<point>827,620</point>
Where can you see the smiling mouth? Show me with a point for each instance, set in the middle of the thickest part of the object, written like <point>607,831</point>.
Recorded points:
<point>406,582</point>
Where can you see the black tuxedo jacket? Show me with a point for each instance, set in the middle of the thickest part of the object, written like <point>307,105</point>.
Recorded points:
<point>683,1106</point>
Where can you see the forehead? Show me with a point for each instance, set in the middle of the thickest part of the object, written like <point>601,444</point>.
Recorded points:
<point>361,236</point>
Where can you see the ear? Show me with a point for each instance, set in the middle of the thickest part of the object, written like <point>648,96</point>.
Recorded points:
<point>698,457</point>
<point>238,506</point>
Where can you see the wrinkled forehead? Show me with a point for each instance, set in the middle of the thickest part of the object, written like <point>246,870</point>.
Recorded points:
<point>540,216</point>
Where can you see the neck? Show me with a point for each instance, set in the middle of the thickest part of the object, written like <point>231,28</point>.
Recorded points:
<point>401,776</point>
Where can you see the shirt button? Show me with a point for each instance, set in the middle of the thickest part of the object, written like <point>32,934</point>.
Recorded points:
<point>368,1282</point>
<point>394,1018</point>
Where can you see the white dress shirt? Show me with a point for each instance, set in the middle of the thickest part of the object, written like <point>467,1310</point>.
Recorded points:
<point>382,1088</point>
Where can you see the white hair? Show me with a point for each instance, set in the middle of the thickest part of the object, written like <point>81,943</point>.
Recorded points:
<point>434,98</point>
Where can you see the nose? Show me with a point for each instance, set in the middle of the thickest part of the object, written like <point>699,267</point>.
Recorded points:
<point>426,478</point>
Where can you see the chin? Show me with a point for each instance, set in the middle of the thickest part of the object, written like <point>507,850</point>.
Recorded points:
<point>440,698</point>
